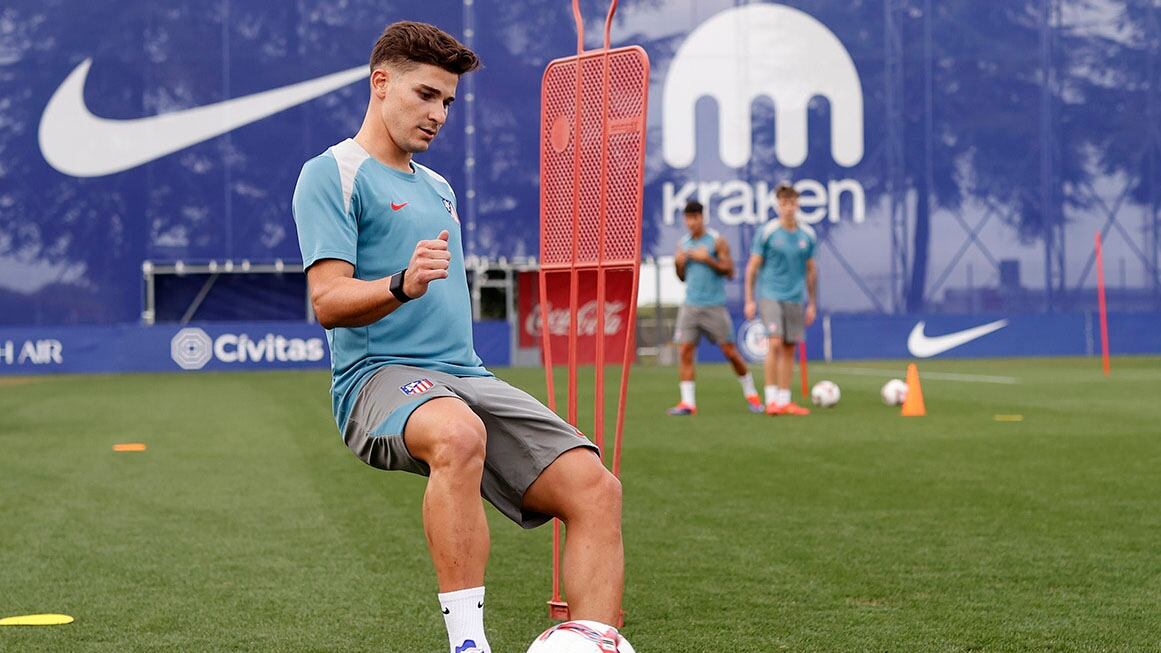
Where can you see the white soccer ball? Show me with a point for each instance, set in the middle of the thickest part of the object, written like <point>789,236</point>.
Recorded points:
<point>581,637</point>
<point>894,392</point>
<point>825,394</point>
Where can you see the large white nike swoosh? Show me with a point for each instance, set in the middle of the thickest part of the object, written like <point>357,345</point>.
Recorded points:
<point>78,143</point>
<point>922,346</point>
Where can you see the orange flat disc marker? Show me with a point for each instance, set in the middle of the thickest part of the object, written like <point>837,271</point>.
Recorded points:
<point>129,446</point>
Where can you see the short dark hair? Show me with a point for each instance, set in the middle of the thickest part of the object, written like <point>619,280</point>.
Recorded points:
<point>785,189</point>
<point>407,43</point>
<point>693,206</point>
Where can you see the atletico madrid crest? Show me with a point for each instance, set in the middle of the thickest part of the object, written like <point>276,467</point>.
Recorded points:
<point>451,208</point>
<point>417,387</point>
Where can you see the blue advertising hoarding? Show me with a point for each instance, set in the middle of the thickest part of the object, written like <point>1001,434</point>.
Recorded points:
<point>220,346</point>
<point>854,337</point>
<point>237,346</point>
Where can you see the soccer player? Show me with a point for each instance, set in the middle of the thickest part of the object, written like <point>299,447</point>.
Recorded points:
<point>782,269</point>
<point>704,263</point>
<point>381,241</point>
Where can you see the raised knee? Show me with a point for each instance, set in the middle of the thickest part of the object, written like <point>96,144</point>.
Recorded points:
<point>601,500</point>
<point>459,444</point>
<point>609,492</point>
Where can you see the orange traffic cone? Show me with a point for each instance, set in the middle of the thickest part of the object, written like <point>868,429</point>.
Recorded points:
<point>913,405</point>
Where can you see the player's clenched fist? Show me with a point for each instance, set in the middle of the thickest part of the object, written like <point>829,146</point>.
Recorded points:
<point>429,262</point>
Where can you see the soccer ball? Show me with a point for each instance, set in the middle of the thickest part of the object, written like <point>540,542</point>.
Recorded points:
<point>894,392</point>
<point>825,394</point>
<point>581,637</point>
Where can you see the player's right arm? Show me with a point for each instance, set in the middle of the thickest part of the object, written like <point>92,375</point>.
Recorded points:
<point>328,234</point>
<point>752,267</point>
<point>679,262</point>
<point>340,300</point>
<point>757,258</point>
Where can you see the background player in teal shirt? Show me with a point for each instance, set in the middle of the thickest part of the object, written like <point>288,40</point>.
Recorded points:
<point>704,263</point>
<point>782,273</point>
<point>380,239</point>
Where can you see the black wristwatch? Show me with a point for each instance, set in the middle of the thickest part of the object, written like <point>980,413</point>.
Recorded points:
<point>397,287</point>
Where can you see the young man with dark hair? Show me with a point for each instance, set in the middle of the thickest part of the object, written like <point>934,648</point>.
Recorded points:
<point>704,263</point>
<point>380,239</point>
<point>782,269</point>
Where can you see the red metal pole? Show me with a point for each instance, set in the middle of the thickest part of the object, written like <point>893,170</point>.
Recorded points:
<point>802,370</point>
<point>1100,266</point>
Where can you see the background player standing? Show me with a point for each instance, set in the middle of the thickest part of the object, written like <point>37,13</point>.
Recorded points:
<point>380,238</point>
<point>704,263</point>
<point>782,270</point>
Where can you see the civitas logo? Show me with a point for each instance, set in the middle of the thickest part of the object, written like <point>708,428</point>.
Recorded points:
<point>763,51</point>
<point>193,349</point>
<point>586,319</point>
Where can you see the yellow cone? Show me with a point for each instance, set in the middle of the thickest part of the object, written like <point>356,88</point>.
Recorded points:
<point>37,620</point>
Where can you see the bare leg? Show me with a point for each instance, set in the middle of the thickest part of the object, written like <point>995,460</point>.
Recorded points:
<point>736,361</point>
<point>685,362</point>
<point>578,490</point>
<point>786,365</point>
<point>450,438</point>
<point>773,347</point>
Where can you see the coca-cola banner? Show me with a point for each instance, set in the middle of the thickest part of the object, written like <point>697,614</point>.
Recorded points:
<point>618,294</point>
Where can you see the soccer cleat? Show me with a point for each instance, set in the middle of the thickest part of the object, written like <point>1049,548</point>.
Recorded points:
<point>755,404</point>
<point>469,646</point>
<point>683,409</point>
<point>794,409</point>
<point>774,409</point>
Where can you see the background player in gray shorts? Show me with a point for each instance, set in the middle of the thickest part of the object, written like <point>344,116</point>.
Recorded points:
<point>782,273</point>
<point>703,262</point>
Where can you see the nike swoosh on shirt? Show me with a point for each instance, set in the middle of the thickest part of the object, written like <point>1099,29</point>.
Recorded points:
<point>396,207</point>
<point>78,143</point>
<point>922,346</point>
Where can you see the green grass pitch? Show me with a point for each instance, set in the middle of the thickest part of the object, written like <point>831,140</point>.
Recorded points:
<point>247,525</point>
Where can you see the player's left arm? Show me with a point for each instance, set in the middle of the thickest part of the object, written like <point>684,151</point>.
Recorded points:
<point>725,263</point>
<point>811,290</point>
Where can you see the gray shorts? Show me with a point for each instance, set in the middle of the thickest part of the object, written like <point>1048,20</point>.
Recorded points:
<point>713,321</point>
<point>524,437</point>
<point>783,320</point>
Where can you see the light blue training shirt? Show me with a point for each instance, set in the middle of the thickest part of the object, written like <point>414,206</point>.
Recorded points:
<point>782,277</point>
<point>349,206</point>
<point>703,285</point>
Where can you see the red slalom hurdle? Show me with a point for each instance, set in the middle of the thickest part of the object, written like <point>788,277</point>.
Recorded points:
<point>592,166</point>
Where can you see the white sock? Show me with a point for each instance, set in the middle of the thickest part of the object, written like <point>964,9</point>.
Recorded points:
<point>747,382</point>
<point>463,614</point>
<point>772,394</point>
<point>783,396</point>
<point>687,394</point>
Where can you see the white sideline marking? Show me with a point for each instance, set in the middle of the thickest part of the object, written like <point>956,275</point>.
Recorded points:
<point>938,376</point>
